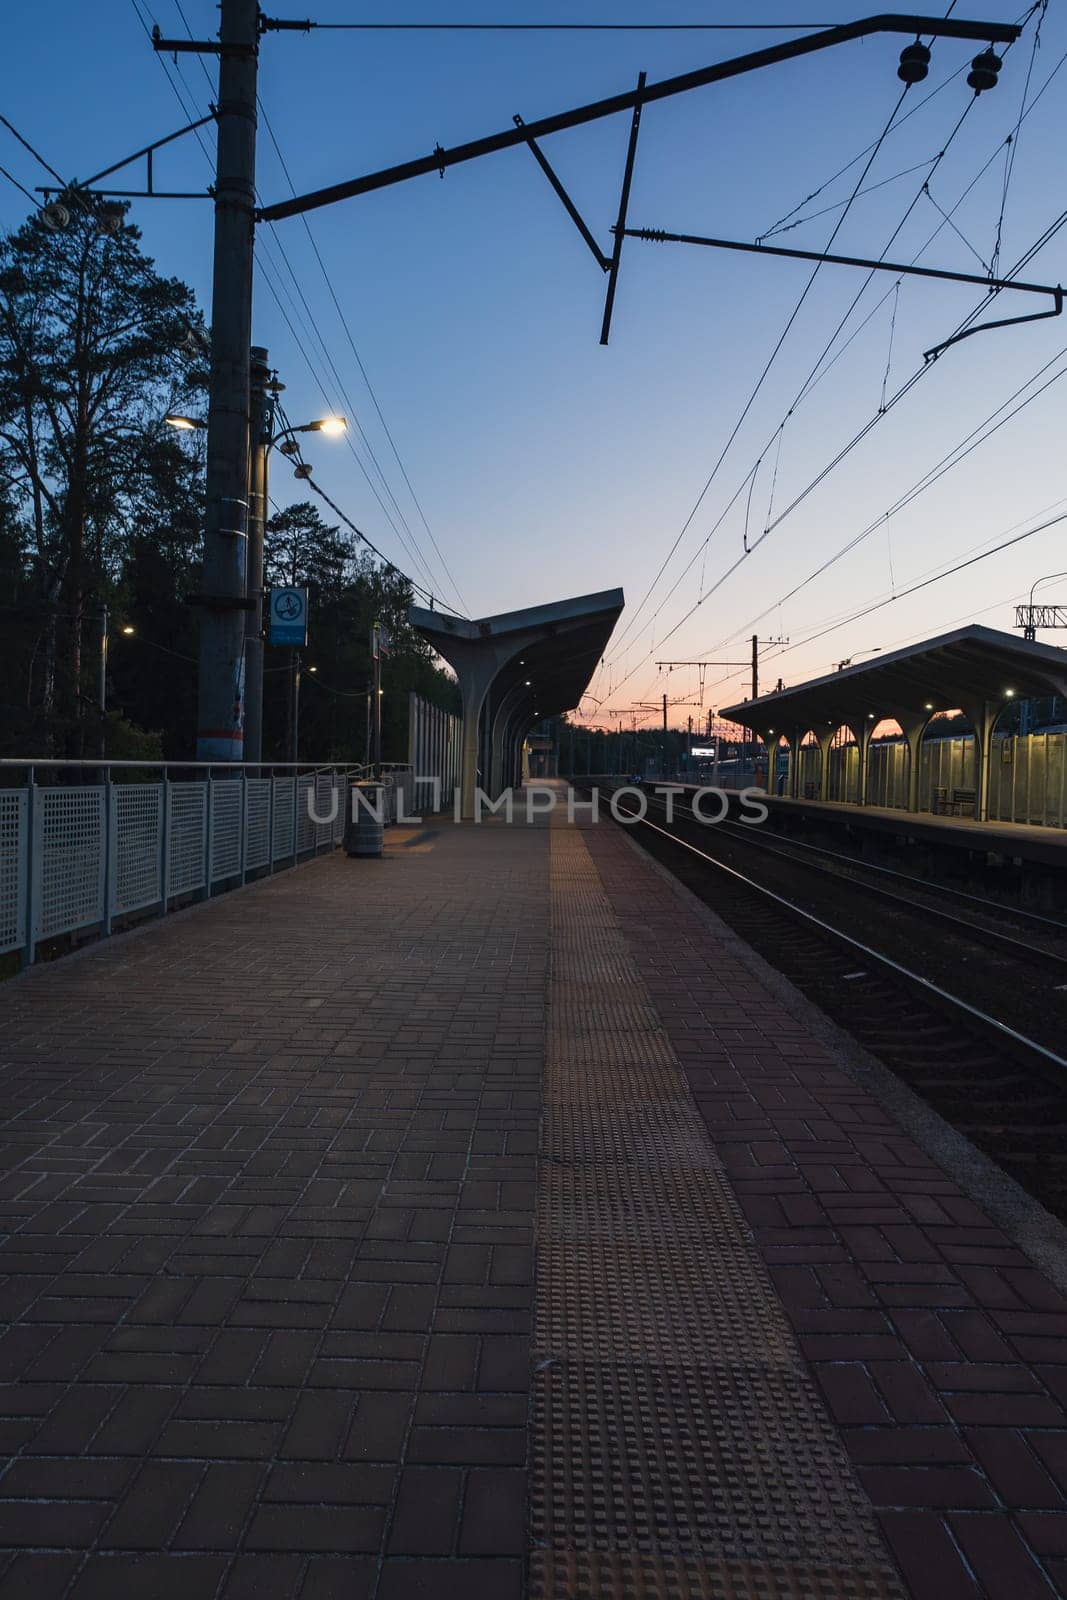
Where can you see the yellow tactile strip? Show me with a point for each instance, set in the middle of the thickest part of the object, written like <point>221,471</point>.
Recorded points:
<point>679,1448</point>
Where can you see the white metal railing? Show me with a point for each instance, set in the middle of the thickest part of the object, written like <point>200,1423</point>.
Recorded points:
<point>106,840</point>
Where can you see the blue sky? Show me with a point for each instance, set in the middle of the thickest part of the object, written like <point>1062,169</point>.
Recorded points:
<point>546,465</point>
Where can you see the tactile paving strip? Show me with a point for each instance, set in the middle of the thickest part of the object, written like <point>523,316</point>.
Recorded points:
<point>680,1451</point>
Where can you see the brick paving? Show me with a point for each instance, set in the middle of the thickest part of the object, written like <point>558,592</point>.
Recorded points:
<point>940,1350</point>
<point>268,1191</point>
<point>269,1182</point>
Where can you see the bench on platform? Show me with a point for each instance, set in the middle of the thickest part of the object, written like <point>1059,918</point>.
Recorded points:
<point>962,802</point>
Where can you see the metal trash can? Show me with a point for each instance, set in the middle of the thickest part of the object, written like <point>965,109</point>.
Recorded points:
<point>363,820</point>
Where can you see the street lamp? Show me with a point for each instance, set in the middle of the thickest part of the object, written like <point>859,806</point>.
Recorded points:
<point>333,427</point>
<point>1027,623</point>
<point>265,390</point>
<point>874,650</point>
<point>265,436</point>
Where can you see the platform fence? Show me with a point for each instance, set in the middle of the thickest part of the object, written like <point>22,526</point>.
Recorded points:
<point>1027,775</point>
<point>434,745</point>
<point>85,845</point>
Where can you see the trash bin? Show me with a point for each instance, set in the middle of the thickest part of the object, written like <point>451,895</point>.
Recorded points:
<point>363,820</point>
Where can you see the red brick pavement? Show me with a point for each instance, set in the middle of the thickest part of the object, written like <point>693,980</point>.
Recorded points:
<point>941,1351</point>
<point>268,1198</point>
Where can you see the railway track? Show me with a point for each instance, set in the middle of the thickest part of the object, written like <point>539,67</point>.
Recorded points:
<point>997,927</point>
<point>965,1043</point>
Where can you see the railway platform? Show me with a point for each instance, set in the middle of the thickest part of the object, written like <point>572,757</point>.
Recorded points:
<point>1018,839</point>
<point>481,1221</point>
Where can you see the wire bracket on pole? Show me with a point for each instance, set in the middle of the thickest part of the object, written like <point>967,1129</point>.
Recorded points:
<point>148,151</point>
<point>1002,322</point>
<point>602,261</point>
<point>624,204</point>
<point>994,285</point>
<point>198,47</point>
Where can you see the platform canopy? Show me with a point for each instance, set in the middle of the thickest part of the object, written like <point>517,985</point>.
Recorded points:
<point>515,669</point>
<point>971,668</point>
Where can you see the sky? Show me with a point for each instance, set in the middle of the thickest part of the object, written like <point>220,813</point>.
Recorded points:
<point>548,466</point>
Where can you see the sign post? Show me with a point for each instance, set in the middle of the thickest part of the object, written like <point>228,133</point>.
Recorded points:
<point>289,626</point>
<point>289,617</point>
<point>381,644</point>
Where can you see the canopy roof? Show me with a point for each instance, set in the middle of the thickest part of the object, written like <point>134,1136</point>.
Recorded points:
<point>548,651</point>
<point>961,669</point>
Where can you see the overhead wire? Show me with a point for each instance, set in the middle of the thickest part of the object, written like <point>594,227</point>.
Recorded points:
<point>951,459</point>
<point>884,407</point>
<point>565,27</point>
<point>276,287</point>
<point>392,565</point>
<point>779,226</point>
<point>1013,140</point>
<point>923,483</point>
<point>32,198</point>
<point>746,408</point>
<point>815,375</point>
<point>926,583</point>
<point>363,371</point>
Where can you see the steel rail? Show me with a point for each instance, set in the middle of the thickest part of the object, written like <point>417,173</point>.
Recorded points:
<point>1050,925</point>
<point>990,937</point>
<point>1016,1043</point>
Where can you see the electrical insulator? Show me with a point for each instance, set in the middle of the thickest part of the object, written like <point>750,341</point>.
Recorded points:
<point>109,218</point>
<point>984,71</point>
<point>914,63</point>
<point>55,216</point>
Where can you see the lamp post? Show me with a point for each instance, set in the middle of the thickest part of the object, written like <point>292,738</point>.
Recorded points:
<point>875,649</point>
<point>265,390</point>
<point>1025,619</point>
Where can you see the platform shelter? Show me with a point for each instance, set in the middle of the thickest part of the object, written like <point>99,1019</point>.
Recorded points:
<point>980,671</point>
<point>514,670</point>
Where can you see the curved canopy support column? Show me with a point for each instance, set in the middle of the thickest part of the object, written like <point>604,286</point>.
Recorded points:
<point>913,729</point>
<point>795,738</point>
<point>825,742</point>
<point>983,715</point>
<point>862,736</point>
<point>548,653</point>
<point>770,741</point>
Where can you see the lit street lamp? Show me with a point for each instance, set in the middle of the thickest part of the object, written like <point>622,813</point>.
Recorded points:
<point>265,391</point>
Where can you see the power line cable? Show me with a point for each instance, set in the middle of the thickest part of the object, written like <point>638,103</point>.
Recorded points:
<point>951,459</point>
<point>813,216</point>
<point>276,289</point>
<point>746,408</point>
<point>1013,140</point>
<point>927,583</point>
<point>815,375</point>
<point>785,224</point>
<point>363,371</point>
<point>406,538</point>
<point>563,27</point>
<point>884,407</point>
<point>813,378</point>
<point>32,198</point>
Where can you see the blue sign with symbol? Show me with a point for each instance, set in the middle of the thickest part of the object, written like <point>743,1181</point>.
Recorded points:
<point>289,617</point>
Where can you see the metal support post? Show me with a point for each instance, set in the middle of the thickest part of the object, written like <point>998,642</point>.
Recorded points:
<point>294,705</point>
<point>102,689</point>
<point>262,410</point>
<point>29,949</point>
<point>220,711</point>
<point>164,841</point>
